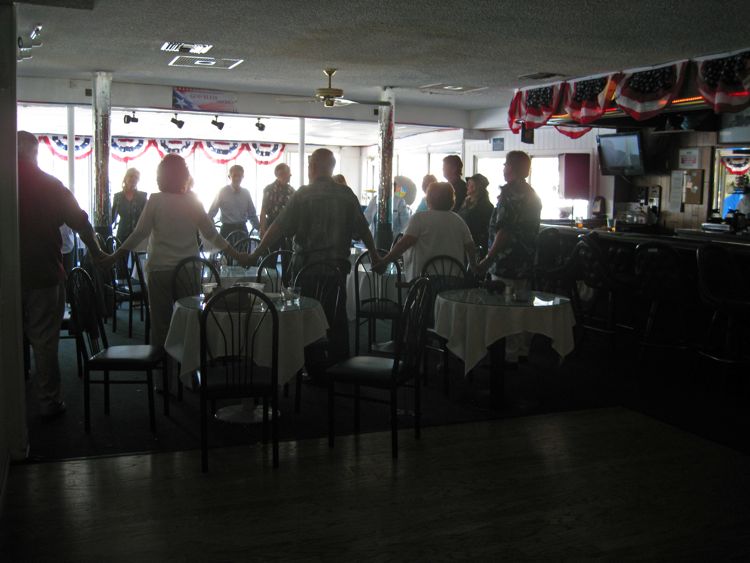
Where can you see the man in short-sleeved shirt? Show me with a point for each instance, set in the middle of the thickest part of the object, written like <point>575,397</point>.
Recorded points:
<point>322,217</point>
<point>235,203</point>
<point>44,205</point>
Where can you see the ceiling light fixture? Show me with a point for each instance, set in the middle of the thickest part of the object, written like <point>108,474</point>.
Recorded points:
<point>178,122</point>
<point>130,119</point>
<point>260,126</point>
<point>218,124</point>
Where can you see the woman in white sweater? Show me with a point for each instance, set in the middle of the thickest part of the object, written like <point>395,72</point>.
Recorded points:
<point>170,221</point>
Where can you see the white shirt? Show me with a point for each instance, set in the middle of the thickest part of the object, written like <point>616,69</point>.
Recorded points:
<point>437,233</point>
<point>743,205</point>
<point>170,221</point>
<point>236,206</point>
<point>401,213</point>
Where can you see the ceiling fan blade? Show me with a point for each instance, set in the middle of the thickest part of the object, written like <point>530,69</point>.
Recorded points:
<point>342,102</point>
<point>296,99</point>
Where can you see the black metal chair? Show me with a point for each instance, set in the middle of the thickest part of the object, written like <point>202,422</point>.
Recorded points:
<point>552,263</point>
<point>235,236</point>
<point>189,276</point>
<point>247,244</point>
<point>662,281</point>
<point>723,288</point>
<point>124,286</point>
<point>375,304</point>
<point>237,324</point>
<point>96,353</point>
<point>388,374</point>
<point>325,281</point>
<point>275,270</point>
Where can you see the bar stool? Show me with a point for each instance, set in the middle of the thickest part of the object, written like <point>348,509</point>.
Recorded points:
<point>552,263</point>
<point>722,288</point>
<point>662,281</point>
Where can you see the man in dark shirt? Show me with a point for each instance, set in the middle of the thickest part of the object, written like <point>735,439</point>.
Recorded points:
<point>322,217</point>
<point>44,205</point>
<point>513,231</point>
<point>453,167</point>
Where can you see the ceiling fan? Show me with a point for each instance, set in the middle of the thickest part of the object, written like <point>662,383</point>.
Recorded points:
<point>330,97</point>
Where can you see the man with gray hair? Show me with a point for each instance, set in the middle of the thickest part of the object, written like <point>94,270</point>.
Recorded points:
<point>44,205</point>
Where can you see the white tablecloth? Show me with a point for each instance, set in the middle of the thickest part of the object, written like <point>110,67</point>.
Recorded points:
<point>298,327</point>
<point>472,320</point>
<point>391,291</point>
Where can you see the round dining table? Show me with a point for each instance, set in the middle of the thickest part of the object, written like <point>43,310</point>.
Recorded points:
<point>299,325</point>
<point>476,321</point>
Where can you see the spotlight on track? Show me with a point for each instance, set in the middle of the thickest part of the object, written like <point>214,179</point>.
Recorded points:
<point>260,126</point>
<point>178,122</point>
<point>218,124</point>
<point>130,119</point>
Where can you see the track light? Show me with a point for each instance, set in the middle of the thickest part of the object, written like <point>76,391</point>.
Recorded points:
<point>130,119</point>
<point>218,124</point>
<point>260,126</point>
<point>178,122</point>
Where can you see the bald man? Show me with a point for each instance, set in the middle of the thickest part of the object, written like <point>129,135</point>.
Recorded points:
<point>44,205</point>
<point>322,218</point>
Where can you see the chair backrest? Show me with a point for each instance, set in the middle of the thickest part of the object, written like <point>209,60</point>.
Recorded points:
<point>396,239</point>
<point>411,329</point>
<point>235,236</point>
<point>444,273</point>
<point>374,286</point>
<point>324,281</point>
<point>591,264</point>
<point>87,322</point>
<point>721,282</point>
<point>189,276</point>
<point>275,270</point>
<point>238,325</point>
<point>659,271</point>
<point>247,244</point>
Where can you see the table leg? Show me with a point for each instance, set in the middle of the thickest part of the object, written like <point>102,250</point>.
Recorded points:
<point>497,374</point>
<point>244,413</point>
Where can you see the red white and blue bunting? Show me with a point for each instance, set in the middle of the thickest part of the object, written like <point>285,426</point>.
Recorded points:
<point>724,81</point>
<point>533,106</point>
<point>572,132</point>
<point>222,151</point>
<point>586,99</point>
<point>737,165</point>
<point>644,93</point>
<point>266,153</point>
<point>126,149</point>
<point>58,145</point>
<point>182,147</point>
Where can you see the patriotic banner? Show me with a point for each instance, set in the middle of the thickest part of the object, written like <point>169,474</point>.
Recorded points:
<point>125,149</point>
<point>573,132</point>
<point>533,106</point>
<point>586,99</point>
<point>182,147</point>
<point>221,151</point>
<point>266,153</point>
<point>195,99</point>
<point>736,164</point>
<point>58,145</point>
<point>644,93</point>
<point>724,81</point>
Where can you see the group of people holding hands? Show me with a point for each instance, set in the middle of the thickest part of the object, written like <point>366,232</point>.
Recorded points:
<point>321,218</point>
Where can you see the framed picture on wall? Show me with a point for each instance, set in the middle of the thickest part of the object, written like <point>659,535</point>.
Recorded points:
<point>692,186</point>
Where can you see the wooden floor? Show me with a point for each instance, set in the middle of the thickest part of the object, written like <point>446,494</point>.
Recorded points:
<point>605,484</point>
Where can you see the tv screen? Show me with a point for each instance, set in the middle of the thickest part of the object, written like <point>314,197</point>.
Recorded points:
<point>620,154</point>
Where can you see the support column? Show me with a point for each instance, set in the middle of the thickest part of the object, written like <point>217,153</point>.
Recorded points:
<point>102,108</point>
<point>302,161</point>
<point>71,148</point>
<point>384,217</point>
<point>13,433</point>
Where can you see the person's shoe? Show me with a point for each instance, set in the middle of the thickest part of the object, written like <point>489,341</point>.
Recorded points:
<point>53,409</point>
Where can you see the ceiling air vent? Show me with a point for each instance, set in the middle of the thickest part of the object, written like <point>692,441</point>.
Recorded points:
<point>539,75</point>
<point>441,88</point>
<point>180,47</point>
<point>205,62</point>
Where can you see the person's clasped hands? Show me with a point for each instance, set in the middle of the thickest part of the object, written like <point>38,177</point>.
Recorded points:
<point>246,260</point>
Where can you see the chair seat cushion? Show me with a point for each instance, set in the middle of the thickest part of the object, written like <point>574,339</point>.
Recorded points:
<point>383,309</point>
<point>137,355</point>
<point>373,371</point>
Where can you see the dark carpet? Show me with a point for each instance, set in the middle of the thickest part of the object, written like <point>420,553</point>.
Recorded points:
<point>672,387</point>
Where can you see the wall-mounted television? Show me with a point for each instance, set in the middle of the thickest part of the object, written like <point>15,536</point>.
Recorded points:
<point>620,154</point>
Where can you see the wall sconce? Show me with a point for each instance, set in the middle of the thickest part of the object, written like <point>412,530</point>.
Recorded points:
<point>178,122</point>
<point>218,124</point>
